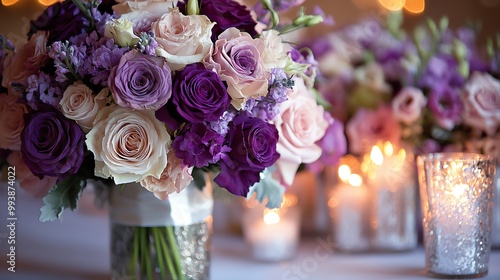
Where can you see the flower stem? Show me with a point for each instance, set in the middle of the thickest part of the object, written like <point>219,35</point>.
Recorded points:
<point>175,250</point>
<point>170,265</point>
<point>159,252</point>
<point>146,265</point>
<point>135,254</point>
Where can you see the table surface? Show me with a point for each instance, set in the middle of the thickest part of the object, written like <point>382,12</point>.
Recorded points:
<point>77,248</point>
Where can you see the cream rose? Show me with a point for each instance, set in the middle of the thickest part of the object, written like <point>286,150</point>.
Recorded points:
<point>29,182</point>
<point>182,39</point>
<point>128,145</point>
<point>121,31</point>
<point>80,104</point>
<point>143,13</point>
<point>275,51</point>
<point>174,178</point>
<point>236,57</point>
<point>300,125</point>
<point>11,121</point>
<point>408,104</point>
<point>481,99</point>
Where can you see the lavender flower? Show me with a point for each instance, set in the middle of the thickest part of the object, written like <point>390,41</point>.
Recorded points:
<point>40,89</point>
<point>266,108</point>
<point>221,126</point>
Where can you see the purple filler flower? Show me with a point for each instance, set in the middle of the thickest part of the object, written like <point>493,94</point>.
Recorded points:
<point>199,94</point>
<point>445,105</point>
<point>226,13</point>
<point>141,82</point>
<point>199,145</point>
<point>51,144</point>
<point>253,148</point>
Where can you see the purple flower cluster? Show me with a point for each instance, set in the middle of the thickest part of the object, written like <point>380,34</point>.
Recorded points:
<point>226,13</point>
<point>266,107</point>
<point>198,145</point>
<point>42,88</point>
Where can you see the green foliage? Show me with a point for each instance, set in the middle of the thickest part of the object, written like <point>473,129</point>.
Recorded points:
<point>63,195</point>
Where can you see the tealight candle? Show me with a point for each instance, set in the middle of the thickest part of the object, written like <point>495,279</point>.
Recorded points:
<point>272,234</point>
<point>348,208</point>
<point>457,202</point>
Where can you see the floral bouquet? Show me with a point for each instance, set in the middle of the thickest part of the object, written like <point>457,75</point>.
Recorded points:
<point>152,93</point>
<point>435,89</point>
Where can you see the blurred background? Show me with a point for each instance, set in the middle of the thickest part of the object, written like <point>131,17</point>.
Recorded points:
<point>16,14</point>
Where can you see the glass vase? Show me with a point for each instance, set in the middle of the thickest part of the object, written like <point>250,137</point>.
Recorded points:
<point>495,235</point>
<point>154,239</point>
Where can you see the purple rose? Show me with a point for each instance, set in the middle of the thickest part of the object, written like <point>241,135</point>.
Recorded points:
<point>446,106</point>
<point>199,94</point>
<point>199,145</point>
<point>51,144</point>
<point>62,20</point>
<point>140,82</point>
<point>226,13</point>
<point>253,148</point>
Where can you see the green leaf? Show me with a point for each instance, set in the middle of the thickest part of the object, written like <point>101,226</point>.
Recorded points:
<point>63,195</point>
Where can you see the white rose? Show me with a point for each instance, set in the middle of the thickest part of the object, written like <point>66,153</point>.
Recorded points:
<point>128,145</point>
<point>275,51</point>
<point>174,178</point>
<point>121,31</point>
<point>182,39</point>
<point>80,104</point>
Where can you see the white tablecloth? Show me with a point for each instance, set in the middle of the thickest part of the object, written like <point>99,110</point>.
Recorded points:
<point>77,248</point>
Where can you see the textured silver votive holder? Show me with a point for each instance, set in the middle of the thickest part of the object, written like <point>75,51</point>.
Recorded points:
<point>457,201</point>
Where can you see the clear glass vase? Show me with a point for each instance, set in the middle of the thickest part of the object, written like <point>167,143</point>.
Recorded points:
<point>154,239</point>
<point>173,252</point>
<point>495,235</point>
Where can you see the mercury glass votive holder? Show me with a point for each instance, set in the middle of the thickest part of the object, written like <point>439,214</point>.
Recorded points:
<point>457,202</point>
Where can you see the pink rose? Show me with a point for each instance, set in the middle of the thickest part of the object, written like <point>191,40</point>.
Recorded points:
<point>29,182</point>
<point>481,98</point>
<point>300,125</point>
<point>174,178</point>
<point>26,60</point>
<point>368,127</point>
<point>237,59</point>
<point>182,39</point>
<point>11,122</point>
<point>408,104</point>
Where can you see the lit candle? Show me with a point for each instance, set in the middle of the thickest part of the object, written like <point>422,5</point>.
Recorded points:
<point>348,208</point>
<point>457,194</point>
<point>392,198</point>
<point>272,234</point>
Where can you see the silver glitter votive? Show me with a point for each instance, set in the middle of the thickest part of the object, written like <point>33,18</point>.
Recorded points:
<point>457,201</point>
<point>495,233</point>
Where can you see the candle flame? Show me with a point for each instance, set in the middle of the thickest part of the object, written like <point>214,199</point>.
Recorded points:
<point>47,2</point>
<point>402,155</point>
<point>376,155</point>
<point>9,2</point>
<point>271,217</point>
<point>355,180</point>
<point>344,172</point>
<point>289,200</point>
<point>388,149</point>
<point>459,190</point>
<point>415,6</point>
<point>392,5</point>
